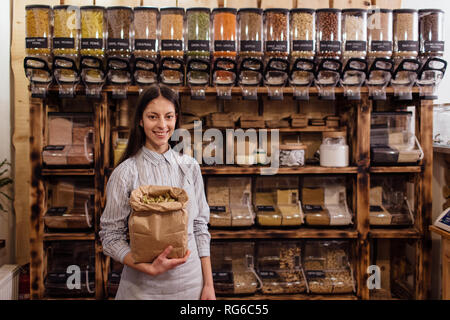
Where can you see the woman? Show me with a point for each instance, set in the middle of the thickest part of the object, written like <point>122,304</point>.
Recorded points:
<point>187,278</point>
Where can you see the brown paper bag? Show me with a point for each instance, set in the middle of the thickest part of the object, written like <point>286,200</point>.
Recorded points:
<point>153,227</point>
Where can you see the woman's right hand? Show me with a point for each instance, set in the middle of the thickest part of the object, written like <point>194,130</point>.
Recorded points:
<point>162,264</point>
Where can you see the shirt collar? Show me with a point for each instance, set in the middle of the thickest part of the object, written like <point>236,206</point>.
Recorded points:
<point>158,158</point>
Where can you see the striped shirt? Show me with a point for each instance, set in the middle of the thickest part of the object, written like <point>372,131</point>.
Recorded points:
<point>160,169</point>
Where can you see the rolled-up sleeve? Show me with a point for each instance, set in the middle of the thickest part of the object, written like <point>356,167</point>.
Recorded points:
<point>201,233</point>
<point>114,220</point>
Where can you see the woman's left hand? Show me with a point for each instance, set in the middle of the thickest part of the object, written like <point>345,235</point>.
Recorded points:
<point>208,293</point>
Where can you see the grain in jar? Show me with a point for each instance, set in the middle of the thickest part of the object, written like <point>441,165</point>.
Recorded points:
<point>172,32</point>
<point>38,29</point>
<point>354,33</point>
<point>119,20</point>
<point>66,21</point>
<point>303,33</point>
<point>93,30</point>
<point>431,29</point>
<point>328,33</point>
<point>198,32</point>
<point>406,33</point>
<point>145,31</point>
<point>276,33</point>
<point>224,32</point>
<point>379,34</point>
<point>250,35</point>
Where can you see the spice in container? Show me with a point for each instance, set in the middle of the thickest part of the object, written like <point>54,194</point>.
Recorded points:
<point>38,30</point>
<point>145,24</point>
<point>276,33</point>
<point>250,22</point>
<point>379,34</point>
<point>172,28</point>
<point>92,30</point>
<point>303,33</point>
<point>354,33</point>
<point>119,20</point>
<point>66,20</point>
<point>224,28</point>
<point>328,33</point>
<point>406,33</point>
<point>198,32</point>
<point>431,25</point>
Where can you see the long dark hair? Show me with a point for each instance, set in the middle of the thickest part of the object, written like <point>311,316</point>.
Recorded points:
<point>137,134</point>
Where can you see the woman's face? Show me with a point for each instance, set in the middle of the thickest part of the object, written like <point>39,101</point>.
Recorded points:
<point>158,120</point>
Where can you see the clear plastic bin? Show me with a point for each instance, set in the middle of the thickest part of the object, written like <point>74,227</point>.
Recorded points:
<point>38,41</point>
<point>327,267</point>
<point>279,267</point>
<point>93,33</point>
<point>391,201</point>
<point>392,138</point>
<point>65,259</point>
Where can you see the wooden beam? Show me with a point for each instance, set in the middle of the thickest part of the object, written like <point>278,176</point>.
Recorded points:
<point>343,4</point>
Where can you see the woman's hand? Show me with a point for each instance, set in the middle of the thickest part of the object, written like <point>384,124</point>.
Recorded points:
<point>163,264</point>
<point>208,292</point>
<point>160,265</point>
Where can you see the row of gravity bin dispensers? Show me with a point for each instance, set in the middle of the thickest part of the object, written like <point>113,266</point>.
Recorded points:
<point>226,47</point>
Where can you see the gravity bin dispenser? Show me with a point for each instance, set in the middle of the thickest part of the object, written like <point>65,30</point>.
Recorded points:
<point>353,78</point>
<point>378,77</point>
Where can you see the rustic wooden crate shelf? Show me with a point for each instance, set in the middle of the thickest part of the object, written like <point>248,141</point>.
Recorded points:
<point>292,297</point>
<point>68,172</point>
<point>231,170</point>
<point>288,233</point>
<point>396,169</point>
<point>395,233</point>
<point>66,236</point>
<point>306,129</point>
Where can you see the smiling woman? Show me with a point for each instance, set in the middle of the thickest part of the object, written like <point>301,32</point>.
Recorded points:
<point>150,162</point>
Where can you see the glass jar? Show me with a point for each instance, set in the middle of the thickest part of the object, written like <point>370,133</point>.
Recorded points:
<point>146,20</point>
<point>38,30</point>
<point>328,33</point>
<point>276,33</point>
<point>250,36</point>
<point>379,34</point>
<point>66,30</point>
<point>406,33</point>
<point>120,21</point>
<point>172,28</point>
<point>303,33</point>
<point>431,26</point>
<point>198,32</point>
<point>354,33</point>
<point>224,32</point>
<point>92,30</point>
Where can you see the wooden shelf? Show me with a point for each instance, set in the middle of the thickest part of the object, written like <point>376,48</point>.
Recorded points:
<point>68,172</point>
<point>271,233</point>
<point>396,169</point>
<point>283,130</point>
<point>396,233</point>
<point>230,169</point>
<point>441,149</point>
<point>440,231</point>
<point>68,236</point>
<point>292,297</point>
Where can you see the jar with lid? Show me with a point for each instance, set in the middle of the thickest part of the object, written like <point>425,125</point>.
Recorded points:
<point>120,21</point>
<point>93,30</point>
<point>406,34</point>
<point>172,45</point>
<point>38,30</point>
<point>354,34</point>
<point>303,33</point>
<point>250,48</point>
<point>224,50</point>
<point>379,34</point>
<point>198,49</point>
<point>329,33</point>
<point>145,24</point>
<point>431,27</point>
<point>66,30</point>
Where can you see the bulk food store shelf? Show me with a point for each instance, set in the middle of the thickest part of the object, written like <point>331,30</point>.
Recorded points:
<point>383,233</point>
<point>68,172</point>
<point>68,236</point>
<point>399,169</point>
<point>293,297</point>
<point>224,170</point>
<point>274,233</point>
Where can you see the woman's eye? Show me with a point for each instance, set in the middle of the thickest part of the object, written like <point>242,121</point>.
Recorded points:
<point>170,117</point>
<point>152,117</point>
